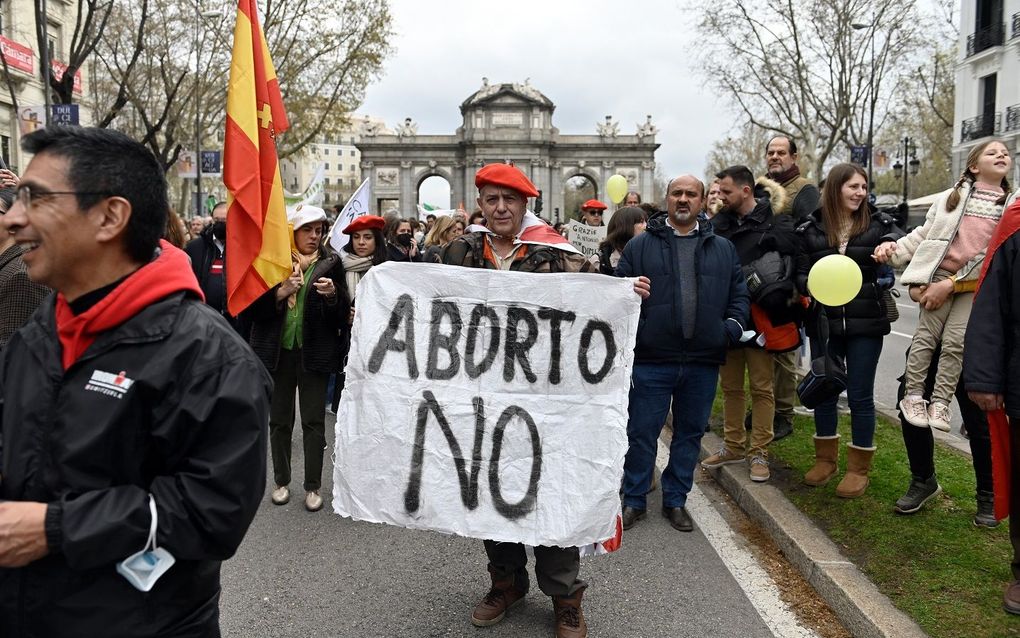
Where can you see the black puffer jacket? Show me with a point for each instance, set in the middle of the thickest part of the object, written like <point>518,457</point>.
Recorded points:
<point>991,353</point>
<point>864,315</point>
<point>325,321</point>
<point>185,422</point>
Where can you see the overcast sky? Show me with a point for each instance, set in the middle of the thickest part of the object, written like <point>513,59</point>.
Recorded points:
<point>592,58</point>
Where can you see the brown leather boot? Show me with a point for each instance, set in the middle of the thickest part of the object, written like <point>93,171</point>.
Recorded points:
<point>569,617</point>
<point>492,607</point>
<point>858,464</point>
<point>826,461</point>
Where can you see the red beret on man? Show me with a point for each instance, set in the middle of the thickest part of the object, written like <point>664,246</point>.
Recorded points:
<point>594,204</point>
<point>364,222</point>
<point>507,176</point>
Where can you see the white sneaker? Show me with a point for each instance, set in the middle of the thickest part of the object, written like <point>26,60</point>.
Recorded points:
<point>914,410</point>
<point>281,495</point>
<point>939,416</point>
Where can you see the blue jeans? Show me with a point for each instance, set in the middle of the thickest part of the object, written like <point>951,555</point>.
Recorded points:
<point>691,388</point>
<point>861,355</point>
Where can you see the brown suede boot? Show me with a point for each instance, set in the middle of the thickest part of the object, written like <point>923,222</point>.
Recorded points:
<point>858,464</point>
<point>569,617</point>
<point>492,607</point>
<point>826,461</point>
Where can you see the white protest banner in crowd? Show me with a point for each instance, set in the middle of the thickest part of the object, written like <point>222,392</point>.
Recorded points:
<point>356,206</point>
<point>486,403</point>
<point>585,238</point>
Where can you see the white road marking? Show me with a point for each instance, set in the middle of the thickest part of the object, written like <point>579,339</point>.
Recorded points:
<point>902,334</point>
<point>908,306</point>
<point>749,574</point>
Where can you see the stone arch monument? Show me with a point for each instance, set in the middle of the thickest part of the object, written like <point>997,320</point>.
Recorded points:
<point>505,123</point>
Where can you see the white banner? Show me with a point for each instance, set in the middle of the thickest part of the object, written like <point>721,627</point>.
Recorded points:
<point>356,206</point>
<point>312,195</point>
<point>487,404</point>
<point>586,238</point>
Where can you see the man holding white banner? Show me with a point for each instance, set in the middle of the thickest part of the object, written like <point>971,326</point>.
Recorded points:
<point>517,240</point>
<point>549,379</point>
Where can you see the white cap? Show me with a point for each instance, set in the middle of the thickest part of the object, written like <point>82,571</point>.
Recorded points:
<point>305,214</point>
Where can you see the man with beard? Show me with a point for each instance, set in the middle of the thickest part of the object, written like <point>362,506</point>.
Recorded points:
<point>802,198</point>
<point>208,261</point>
<point>748,222</point>
<point>698,308</point>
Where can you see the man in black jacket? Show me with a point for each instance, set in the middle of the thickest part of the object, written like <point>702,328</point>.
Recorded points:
<point>748,222</point>
<point>697,308</point>
<point>129,410</point>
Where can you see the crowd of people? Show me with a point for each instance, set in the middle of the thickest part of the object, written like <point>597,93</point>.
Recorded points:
<point>723,276</point>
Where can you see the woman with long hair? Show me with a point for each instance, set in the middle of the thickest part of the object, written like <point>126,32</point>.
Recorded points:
<point>847,224</point>
<point>297,332</point>
<point>943,259</point>
<point>446,229</point>
<point>365,248</point>
<point>626,224</point>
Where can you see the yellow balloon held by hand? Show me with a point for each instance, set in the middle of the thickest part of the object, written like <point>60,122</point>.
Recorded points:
<point>835,280</point>
<point>616,188</point>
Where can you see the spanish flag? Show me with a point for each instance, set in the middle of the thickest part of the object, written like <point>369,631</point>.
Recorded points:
<point>258,245</point>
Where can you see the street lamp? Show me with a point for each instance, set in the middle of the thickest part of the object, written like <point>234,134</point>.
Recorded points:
<point>857,26</point>
<point>199,17</point>
<point>913,166</point>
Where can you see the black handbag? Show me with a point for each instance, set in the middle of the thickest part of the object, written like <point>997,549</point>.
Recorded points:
<point>827,377</point>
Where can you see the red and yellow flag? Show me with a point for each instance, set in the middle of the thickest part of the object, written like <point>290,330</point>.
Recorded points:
<point>258,246</point>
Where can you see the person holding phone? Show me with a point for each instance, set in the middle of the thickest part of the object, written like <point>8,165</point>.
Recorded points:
<point>297,330</point>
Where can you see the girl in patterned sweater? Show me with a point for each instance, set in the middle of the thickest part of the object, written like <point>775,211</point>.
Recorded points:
<point>945,255</point>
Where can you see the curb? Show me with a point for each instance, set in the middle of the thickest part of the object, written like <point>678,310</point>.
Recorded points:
<point>857,602</point>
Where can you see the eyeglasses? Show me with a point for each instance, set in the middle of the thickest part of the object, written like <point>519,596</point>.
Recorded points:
<point>27,196</point>
<point>595,212</point>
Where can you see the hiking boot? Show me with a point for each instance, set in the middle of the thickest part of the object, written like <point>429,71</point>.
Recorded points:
<point>985,516</point>
<point>720,458</point>
<point>939,415</point>
<point>492,607</point>
<point>313,502</point>
<point>631,515</point>
<point>758,467</point>
<point>826,461</point>
<point>281,495</point>
<point>1011,599</point>
<point>569,617</point>
<point>781,427</point>
<point>919,493</point>
<point>914,410</point>
<point>858,465</point>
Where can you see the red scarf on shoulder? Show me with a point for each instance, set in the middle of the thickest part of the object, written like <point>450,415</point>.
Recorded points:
<point>165,275</point>
<point>998,422</point>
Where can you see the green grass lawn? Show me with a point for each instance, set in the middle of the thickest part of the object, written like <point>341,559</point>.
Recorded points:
<point>934,565</point>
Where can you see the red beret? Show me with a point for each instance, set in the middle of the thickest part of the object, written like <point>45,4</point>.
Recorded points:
<point>364,223</point>
<point>594,204</point>
<point>506,176</point>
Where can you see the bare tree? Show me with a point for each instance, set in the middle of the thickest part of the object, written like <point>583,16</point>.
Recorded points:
<point>90,22</point>
<point>799,68</point>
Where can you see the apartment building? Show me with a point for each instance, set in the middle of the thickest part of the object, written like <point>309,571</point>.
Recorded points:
<point>988,78</point>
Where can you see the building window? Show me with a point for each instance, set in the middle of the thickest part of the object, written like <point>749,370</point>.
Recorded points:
<point>326,181</point>
<point>352,153</point>
<point>325,151</point>
<point>5,151</point>
<point>327,166</point>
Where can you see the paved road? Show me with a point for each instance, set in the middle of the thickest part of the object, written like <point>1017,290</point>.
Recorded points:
<point>303,574</point>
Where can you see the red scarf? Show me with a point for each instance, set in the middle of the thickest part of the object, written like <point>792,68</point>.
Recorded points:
<point>998,422</point>
<point>169,273</point>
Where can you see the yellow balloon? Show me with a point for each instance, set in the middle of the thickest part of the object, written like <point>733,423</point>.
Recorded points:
<point>835,280</point>
<point>616,188</point>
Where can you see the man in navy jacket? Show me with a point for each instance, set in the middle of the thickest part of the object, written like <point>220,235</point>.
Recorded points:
<point>698,307</point>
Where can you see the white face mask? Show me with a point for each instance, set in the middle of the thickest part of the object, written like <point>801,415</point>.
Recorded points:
<point>144,568</point>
